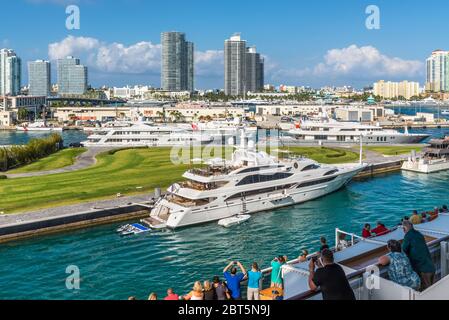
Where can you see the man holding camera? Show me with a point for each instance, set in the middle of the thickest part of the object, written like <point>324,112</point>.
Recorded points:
<point>331,278</point>
<point>233,279</point>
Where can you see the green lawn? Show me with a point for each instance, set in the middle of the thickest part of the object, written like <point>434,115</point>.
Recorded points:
<point>394,150</point>
<point>326,155</point>
<point>57,160</point>
<point>128,172</point>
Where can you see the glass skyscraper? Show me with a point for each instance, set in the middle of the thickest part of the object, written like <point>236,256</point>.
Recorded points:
<point>438,72</point>
<point>177,72</point>
<point>244,67</point>
<point>72,76</point>
<point>10,73</point>
<point>39,76</point>
<point>254,70</point>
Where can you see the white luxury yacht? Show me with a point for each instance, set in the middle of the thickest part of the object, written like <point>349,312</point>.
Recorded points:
<point>251,182</point>
<point>332,131</point>
<point>145,135</point>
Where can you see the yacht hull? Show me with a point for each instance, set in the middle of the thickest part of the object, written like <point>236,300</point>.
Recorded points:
<point>367,140</point>
<point>259,203</point>
<point>25,129</point>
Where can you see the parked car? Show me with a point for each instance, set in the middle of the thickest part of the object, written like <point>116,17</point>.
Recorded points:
<point>76,145</point>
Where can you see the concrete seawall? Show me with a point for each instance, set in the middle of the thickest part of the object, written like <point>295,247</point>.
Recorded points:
<point>62,223</point>
<point>380,168</point>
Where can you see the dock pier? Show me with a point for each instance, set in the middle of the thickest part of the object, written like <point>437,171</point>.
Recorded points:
<point>61,219</point>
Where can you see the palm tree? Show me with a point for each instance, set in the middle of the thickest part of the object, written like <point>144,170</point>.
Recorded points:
<point>22,114</point>
<point>161,115</point>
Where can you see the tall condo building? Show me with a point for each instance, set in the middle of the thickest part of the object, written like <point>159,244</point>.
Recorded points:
<point>10,73</point>
<point>254,70</point>
<point>235,65</point>
<point>244,67</point>
<point>72,76</point>
<point>438,72</point>
<point>177,72</point>
<point>39,78</point>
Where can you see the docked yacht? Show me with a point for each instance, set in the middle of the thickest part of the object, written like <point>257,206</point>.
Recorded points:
<point>145,135</point>
<point>37,126</point>
<point>250,182</point>
<point>435,158</point>
<point>332,131</point>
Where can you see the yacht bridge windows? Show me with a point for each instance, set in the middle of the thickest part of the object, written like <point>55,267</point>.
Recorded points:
<point>250,193</point>
<point>258,178</point>
<point>199,186</point>
<point>185,202</point>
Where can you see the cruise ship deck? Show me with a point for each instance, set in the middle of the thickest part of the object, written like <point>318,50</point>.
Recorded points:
<point>360,259</point>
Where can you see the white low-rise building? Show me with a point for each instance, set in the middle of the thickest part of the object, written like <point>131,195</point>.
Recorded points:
<point>28,102</point>
<point>191,112</point>
<point>136,92</point>
<point>7,118</point>
<point>290,109</point>
<point>354,115</point>
<point>91,113</point>
<point>360,113</point>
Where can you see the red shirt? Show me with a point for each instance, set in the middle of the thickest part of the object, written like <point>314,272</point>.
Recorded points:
<point>380,230</point>
<point>366,233</point>
<point>172,296</point>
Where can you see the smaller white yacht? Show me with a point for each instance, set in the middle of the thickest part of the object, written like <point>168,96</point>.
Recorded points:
<point>445,112</point>
<point>145,135</point>
<point>332,131</point>
<point>39,125</point>
<point>435,158</point>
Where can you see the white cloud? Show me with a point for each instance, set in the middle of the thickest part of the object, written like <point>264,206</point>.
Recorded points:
<point>73,46</point>
<point>209,63</point>
<point>361,63</point>
<point>138,58</point>
<point>142,57</point>
<point>4,43</point>
<point>354,59</point>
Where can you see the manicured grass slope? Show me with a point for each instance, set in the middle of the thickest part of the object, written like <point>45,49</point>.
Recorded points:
<point>393,150</point>
<point>326,155</point>
<point>57,160</point>
<point>122,172</point>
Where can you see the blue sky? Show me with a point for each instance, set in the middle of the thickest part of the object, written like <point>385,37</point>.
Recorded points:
<point>305,42</point>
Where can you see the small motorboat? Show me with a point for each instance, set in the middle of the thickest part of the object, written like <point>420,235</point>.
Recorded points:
<point>233,221</point>
<point>131,229</point>
<point>445,112</point>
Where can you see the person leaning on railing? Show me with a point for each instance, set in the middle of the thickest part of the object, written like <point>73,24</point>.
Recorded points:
<point>415,247</point>
<point>400,270</point>
<point>276,271</point>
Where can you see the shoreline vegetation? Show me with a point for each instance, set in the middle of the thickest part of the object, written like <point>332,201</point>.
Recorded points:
<point>57,160</point>
<point>17,156</point>
<point>128,172</point>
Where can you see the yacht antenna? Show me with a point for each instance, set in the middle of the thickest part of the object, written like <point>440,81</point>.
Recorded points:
<point>361,149</point>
